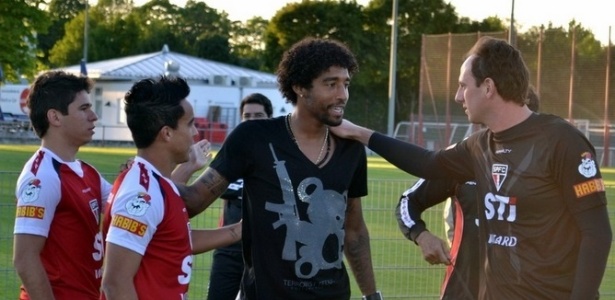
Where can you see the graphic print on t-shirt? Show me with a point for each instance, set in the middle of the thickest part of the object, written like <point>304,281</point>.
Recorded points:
<point>326,213</point>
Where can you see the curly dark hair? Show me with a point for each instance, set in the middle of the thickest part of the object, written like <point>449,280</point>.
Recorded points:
<point>152,104</point>
<point>503,63</point>
<point>308,59</point>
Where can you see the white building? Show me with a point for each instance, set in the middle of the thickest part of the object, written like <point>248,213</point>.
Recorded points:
<point>216,90</point>
<point>13,101</point>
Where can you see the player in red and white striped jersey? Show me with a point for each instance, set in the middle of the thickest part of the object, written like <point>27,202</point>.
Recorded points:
<point>58,249</point>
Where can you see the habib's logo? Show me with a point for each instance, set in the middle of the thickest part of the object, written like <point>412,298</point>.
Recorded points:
<point>498,173</point>
<point>128,224</point>
<point>28,211</point>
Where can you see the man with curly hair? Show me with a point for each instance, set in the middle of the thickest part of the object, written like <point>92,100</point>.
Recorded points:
<point>302,185</point>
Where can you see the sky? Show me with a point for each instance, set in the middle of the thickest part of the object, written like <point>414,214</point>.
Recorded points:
<point>591,14</point>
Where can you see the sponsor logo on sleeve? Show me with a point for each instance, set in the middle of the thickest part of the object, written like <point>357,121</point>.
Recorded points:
<point>34,212</point>
<point>131,225</point>
<point>498,173</point>
<point>587,167</point>
<point>139,205</point>
<point>589,187</point>
<point>31,192</point>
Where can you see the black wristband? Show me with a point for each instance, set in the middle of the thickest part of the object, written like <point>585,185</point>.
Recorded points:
<point>375,296</point>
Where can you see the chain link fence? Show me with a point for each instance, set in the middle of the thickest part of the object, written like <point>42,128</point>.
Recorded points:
<point>401,272</point>
<point>568,72</point>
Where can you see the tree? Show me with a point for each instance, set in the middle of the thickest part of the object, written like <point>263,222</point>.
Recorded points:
<point>112,32</point>
<point>205,32</point>
<point>20,22</point>
<point>247,42</point>
<point>59,12</point>
<point>367,31</point>
<point>118,29</point>
<point>555,66</point>
<point>341,20</point>
<point>157,23</point>
<point>415,18</point>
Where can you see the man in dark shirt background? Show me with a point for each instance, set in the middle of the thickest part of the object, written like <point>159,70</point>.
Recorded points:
<point>227,264</point>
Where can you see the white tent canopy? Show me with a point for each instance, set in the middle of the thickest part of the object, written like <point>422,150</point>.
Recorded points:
<point>191,68</point>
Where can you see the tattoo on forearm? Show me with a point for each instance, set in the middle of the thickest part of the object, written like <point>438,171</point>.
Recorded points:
<point>213,182</point>
<point>202,192</point>
<point>359,257</point>
<point>357,250</point>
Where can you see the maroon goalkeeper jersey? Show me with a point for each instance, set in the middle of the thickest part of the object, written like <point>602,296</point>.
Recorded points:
<point>541,201</point>
<point>531,179</point>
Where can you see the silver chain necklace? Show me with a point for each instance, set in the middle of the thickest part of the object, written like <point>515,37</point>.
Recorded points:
<point>325,142</point>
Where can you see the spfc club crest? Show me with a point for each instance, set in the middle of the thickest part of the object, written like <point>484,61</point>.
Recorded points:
<point>498,173</point>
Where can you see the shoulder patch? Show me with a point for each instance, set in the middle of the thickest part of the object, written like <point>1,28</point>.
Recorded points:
<point>31,192</point>
<point>139,205</point>
<point>587,167</point>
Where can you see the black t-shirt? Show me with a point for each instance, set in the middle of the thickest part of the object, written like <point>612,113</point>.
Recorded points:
<point>232,210</point>
<point>293,211</point>
<point>533,181</point>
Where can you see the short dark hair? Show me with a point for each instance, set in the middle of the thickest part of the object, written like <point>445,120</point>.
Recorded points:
<point>309,58</point>
<point>152,104</point>
<point>53,90</point>
<point>533,102</point>
<point>257,98</point>
<point>500,61</point>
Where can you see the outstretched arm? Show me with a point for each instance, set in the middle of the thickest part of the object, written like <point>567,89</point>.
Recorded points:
<point>357,248</point>
<point>204,240</point>
<point>203,191</point>
<point>408,157</point>
<point>349,130</point>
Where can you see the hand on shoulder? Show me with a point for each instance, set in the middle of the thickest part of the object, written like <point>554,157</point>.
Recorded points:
<point>349,130</point>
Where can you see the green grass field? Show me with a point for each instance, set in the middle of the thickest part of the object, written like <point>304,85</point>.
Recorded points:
<point>400,270</point>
